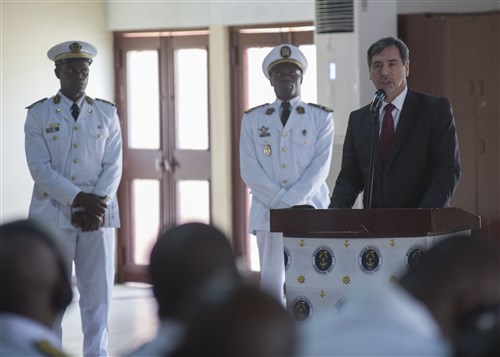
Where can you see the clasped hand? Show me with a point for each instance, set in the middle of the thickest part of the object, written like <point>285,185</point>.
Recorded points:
<point>92,216</point>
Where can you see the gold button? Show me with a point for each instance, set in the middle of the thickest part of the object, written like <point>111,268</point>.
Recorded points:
<point>283,166</point>
<point>99,136</point>
<point>90,110</point>
<point>285,182</point>
<point>73,178</point>
<point>76,128</point>
<point>305,142</point>
<point>284,134</point>
<point>54,137</point>
<point>283,149</point>
<point>75,145</point>
<point>58,110</point>
<point>45,194</point>
<point>75,161</point>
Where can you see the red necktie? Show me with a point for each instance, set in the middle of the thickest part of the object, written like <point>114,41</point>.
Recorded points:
<point>386,134</point>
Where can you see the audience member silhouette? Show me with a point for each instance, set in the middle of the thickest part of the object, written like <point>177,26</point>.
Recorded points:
<point>423,314</point>
<point>247,322</point>
<point>189,264</point>
<point>478,333</point>
<point>34,289</point>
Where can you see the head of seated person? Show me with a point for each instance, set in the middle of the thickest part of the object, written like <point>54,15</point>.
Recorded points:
<point>246,322</point>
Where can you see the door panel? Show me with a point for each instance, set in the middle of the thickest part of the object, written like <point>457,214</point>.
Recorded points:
<point>193,201</point>
<point>191,100</point>
<point>145,209</point>
<point>143,119</point>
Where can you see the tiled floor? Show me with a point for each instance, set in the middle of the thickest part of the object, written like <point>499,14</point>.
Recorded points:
<point>132,321</point>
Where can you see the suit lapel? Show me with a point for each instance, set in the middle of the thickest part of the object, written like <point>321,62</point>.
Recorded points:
<point>406,119</point>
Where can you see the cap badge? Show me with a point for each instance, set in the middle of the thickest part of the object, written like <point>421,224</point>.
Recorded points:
<point>75,47</point>
<point>285,52</point>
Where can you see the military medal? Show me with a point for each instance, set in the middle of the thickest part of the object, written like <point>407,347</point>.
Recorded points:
<point>264,131</point>
<point>267,150</point>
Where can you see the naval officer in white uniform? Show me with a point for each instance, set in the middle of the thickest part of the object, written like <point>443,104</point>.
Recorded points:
<point>285,154</point>
<point>74,153</point>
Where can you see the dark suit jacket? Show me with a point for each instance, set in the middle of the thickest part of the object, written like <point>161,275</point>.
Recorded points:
<point>423,167</point>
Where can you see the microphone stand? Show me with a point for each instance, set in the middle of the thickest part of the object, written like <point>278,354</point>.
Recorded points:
<point>374,109</point>
<point>371,171</point>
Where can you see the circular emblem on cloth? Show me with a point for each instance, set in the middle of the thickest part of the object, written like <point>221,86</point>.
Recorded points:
<point>413,255</point>
<point>75,47</point>
<point>370,259</point>
<point>267,150</point>
<point>323,259</point>
<point>285,52</point>
<point>340,304</point>
<point>287,256</point>
<point>301,309</point>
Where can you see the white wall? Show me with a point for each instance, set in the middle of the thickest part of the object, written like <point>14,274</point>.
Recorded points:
<point>143,14</point>
<point>28,30</point>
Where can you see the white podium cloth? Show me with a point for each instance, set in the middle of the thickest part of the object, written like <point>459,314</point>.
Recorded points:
<point>321,272</point>
<point>272,268</point>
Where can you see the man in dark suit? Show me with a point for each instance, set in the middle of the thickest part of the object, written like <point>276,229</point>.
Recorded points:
<point>416,151</point>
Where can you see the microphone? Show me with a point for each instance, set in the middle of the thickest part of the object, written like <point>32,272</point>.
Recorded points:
<point>377,101</point>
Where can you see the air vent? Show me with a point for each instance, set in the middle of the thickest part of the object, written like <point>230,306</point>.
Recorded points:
<point>334,16</point>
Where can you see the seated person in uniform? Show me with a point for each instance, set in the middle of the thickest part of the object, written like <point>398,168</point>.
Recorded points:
<point>34,289</point>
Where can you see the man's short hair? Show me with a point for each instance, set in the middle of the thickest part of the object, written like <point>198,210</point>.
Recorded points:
<point>385,42</point>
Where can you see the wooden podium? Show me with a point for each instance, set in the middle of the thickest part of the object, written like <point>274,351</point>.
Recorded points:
<point>328,252</point>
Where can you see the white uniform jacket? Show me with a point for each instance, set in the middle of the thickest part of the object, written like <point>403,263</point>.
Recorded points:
<point>284,167</point>
<point>22,336</point>
<point>66,157</point>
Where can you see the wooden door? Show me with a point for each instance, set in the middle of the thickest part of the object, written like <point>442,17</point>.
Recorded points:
<point>162,94</point>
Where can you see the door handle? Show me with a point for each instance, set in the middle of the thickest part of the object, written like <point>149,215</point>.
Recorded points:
<point>162,164</point>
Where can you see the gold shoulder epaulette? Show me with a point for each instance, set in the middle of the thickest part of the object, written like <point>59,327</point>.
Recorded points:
<point>39,101</point>
<point>105,101</point>
<point>249,110</point>
<point>48,349</point>
<point>329,110</point>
